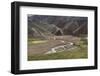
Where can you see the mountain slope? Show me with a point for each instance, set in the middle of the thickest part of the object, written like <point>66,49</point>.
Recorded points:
<point>43,25</point>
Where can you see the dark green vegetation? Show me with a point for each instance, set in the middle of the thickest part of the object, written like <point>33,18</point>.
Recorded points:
<point>78,53</point>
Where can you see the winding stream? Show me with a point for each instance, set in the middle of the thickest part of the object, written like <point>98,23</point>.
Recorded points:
<point>61,48</point>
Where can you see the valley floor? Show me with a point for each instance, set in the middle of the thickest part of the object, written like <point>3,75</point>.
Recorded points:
<point>38,48</point>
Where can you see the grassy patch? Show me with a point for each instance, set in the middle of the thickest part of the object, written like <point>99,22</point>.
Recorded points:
<point>73,54</point>
<point>37,42</point>
<point>78,53</point>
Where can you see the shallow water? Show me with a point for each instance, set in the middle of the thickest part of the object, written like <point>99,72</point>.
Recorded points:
<point>61,48</point>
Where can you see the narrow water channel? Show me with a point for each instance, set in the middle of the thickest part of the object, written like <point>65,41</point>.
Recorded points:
<point>61,48</point>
